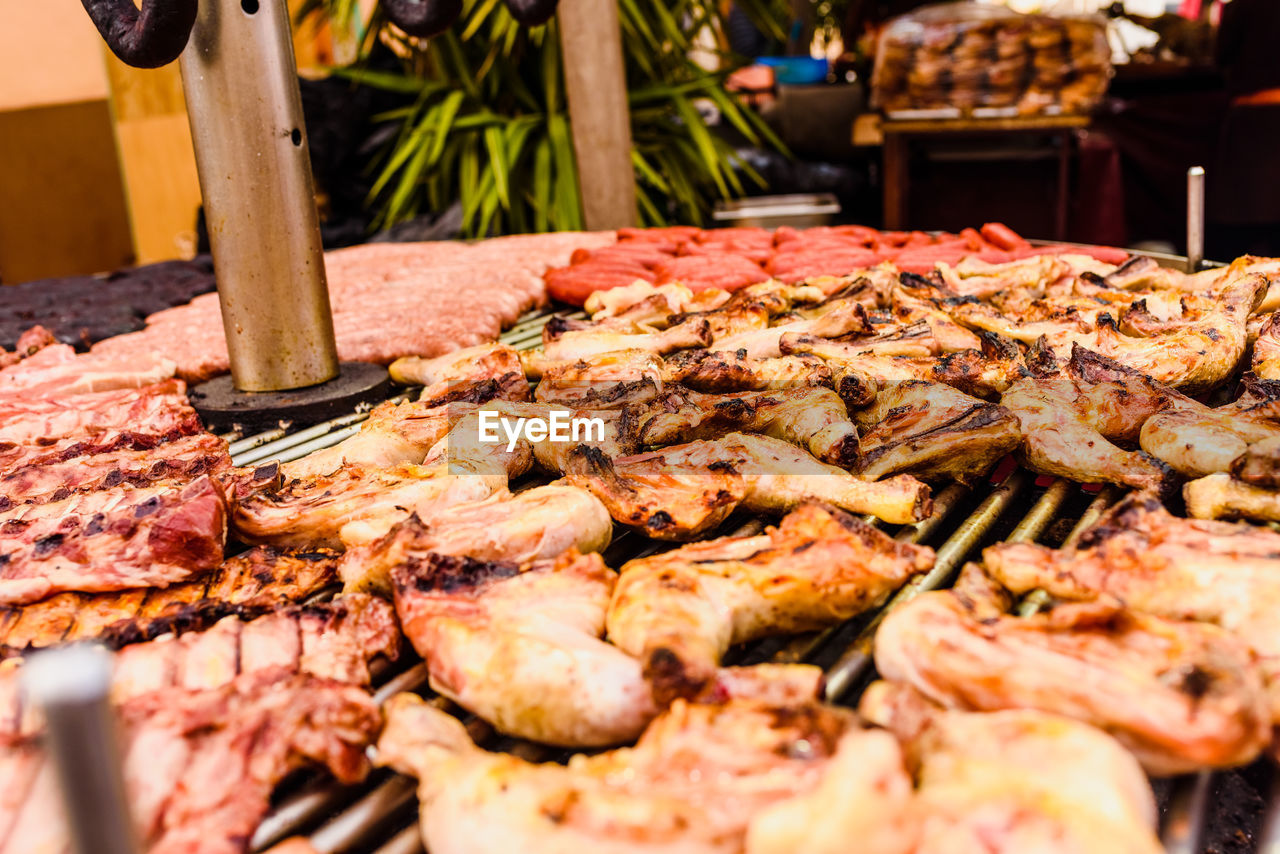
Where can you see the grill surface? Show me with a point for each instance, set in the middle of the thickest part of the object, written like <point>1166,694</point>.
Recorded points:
<point>1213,812</point>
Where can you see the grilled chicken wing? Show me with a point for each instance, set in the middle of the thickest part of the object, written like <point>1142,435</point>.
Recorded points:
<point>848,316</point>
<point>1266,350</point>
<point>605,381</point>
<point>313,511</point>
<point>718,371</point>
<point>950,336</point>
<point>1182,696</point>
<point>693,783</point>
<point>575,346</point>
<point>680,611</point>
<point>812,418</point>
<point>1017,781</point>
<point>537,524</point>
<point>681,492</point>
<point>933,431</point>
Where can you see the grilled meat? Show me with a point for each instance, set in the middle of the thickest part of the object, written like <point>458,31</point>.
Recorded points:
<point>680,611</point>
<point>59,370</point>
<point>200,767</point>
<point>718,371</point>
<point>29,343</point>
<point>575,346</point>
<point>908,308</point>
<point>1221,496</point>
<point>1058,439</point>
<point>503,643</point>
<point>142,461</point>
<point>536,524</point>
<point>113,539</point>
<point>1181,696</point>
<point>812,418</point>
<point>973,277</point>
<point>313,511</point>
<point>1266,350</point>
<point>681,492</point>
<point>864,794</point>
<point>161,409</point>
<point>442,375</point>
<point>692,784</point>
<point>638,301</point>
<point>260,580</point>
<point>847,317</point>
<point>933,431</point>
<point>1259,465</point>
<point>1017,780</point>
<point>606,381</point>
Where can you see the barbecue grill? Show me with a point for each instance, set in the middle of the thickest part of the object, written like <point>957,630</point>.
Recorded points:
<point>1230,811</point>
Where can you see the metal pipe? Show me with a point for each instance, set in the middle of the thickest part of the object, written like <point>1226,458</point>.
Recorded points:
<point>241,84</point>
<point>71,687</point>
<point>1195,218</point>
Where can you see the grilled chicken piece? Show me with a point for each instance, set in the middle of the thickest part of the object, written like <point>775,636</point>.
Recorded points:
<point>865,794</point>
<point>1141,273</point>
<point>1017,781</point>
<point>908,308</point>
<point>1058,439</point>
<point>982,373</point>
<point>1266,350</point>
<point>1182,569</point>
<point>617,302</point>
<point>142,462</point>
<point>933,431</point>
<point>680,611</point>
<point>537,524</point>
<point>1259,465</point>
<point>313,511</point>
<point>465,366</point>
<point>576,346</point>
<point>693,783</point>
<point>843,319</point>
<point>1181,696</point>
<point>605,381</point>
<point>260,580</point>
<point>1221,496</point>
<point>156,410</point>
<point>199,768</point>
<point>682,492</point>
<point>812,418</point>
<point>503,643</point>
<point>973,277</point>
<point>404,432</point>
<point>718,371</point>
<point>112,539</point>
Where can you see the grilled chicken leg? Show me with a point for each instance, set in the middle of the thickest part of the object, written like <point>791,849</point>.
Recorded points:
<point>1220,496</point>
<point>693,783</point>
<point>574,346</point>
<point>681,610</point>
<point>1182,696</point>
<point>1017,781</point>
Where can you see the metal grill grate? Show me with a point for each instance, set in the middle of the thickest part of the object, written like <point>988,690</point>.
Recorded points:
<point>380,815</point>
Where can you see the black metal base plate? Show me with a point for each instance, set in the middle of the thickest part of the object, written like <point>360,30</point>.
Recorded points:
<point>224,407</point>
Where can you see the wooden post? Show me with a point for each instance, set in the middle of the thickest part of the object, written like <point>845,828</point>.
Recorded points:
<point>596,86</point>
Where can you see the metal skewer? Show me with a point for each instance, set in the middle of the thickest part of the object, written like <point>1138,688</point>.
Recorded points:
<point>1195,218</point>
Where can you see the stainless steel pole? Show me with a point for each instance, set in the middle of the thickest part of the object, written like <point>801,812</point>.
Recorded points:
<point>71,687</point>
<point>241,84</point>
<point>1195,218</point>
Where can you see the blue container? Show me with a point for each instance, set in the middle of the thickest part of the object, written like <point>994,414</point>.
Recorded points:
<point>796,70</point>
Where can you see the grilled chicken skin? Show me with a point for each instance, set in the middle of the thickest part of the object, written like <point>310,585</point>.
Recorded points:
<point>681,492</point>
<point>442,374</point>
<point>1221,496</point>
<point>1182,696</point>
<point>680,611</point>
<point>692,784</point>
<point>933,431</point>
<point>575,346</point>
<point>536,524</point>
<point>1016,781</point>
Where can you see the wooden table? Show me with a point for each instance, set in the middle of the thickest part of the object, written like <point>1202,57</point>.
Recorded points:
<point>898,134</point>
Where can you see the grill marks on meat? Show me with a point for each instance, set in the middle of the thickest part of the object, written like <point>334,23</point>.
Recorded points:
<point>1182,696</point>
<point>248,585</point>
<point>199,767</point>
<point>680,611</point>
<point>693,782</point>
<point>132,459</point>
<point>113,539</point>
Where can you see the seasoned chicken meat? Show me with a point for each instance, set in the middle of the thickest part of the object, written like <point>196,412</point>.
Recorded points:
<point>680,611</point>
<point>1221,496</point>
<point>1182,696</point>
<point>605,381</point>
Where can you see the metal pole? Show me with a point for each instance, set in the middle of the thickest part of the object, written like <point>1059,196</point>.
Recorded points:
<point>1195,218</point>
<point>71,687</point>
<point>240,79</point>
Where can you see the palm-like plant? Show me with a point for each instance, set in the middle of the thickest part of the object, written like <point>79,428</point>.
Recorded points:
<point>488,124</point>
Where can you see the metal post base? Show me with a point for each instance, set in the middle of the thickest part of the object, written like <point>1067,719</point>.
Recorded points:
<point>223,407</point>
